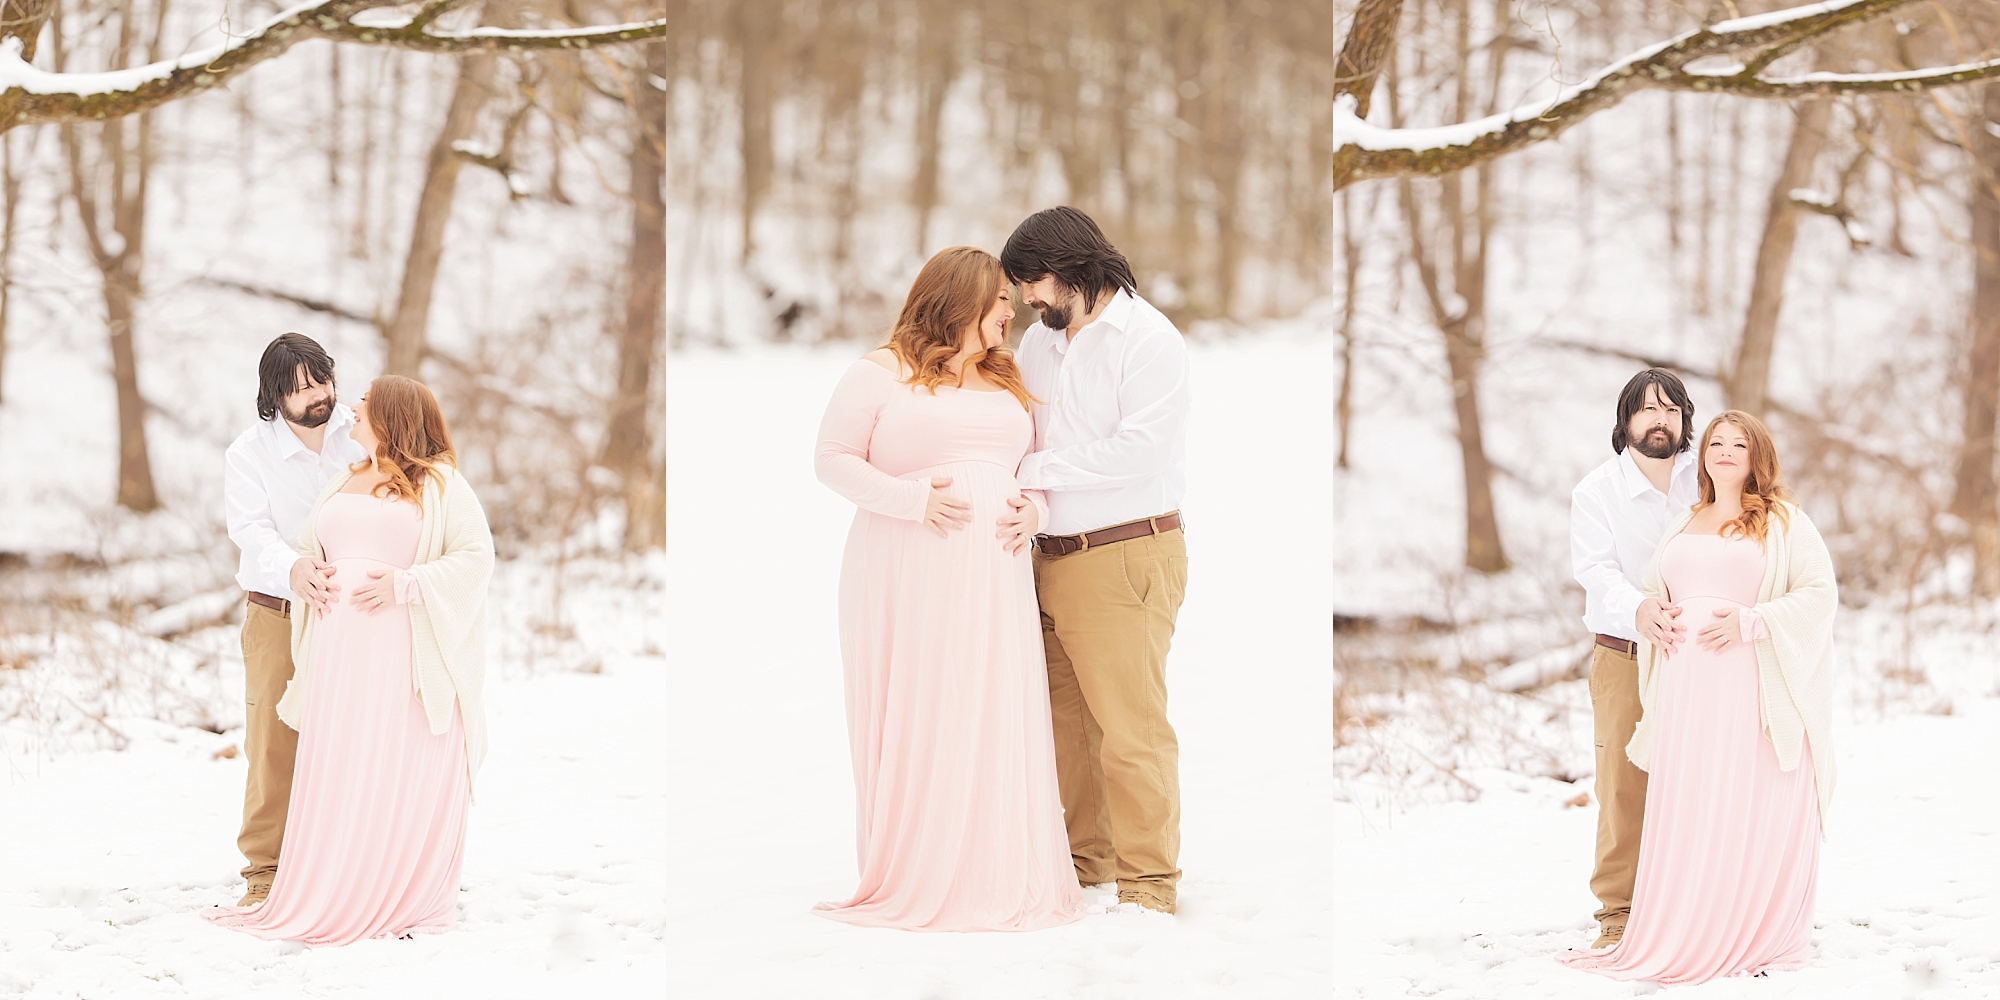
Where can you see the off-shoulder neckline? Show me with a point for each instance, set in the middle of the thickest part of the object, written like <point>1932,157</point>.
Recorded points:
<point>899,377</point>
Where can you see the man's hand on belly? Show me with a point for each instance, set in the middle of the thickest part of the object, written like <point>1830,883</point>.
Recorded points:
<point>312,582</point>
<point>1017,526</point>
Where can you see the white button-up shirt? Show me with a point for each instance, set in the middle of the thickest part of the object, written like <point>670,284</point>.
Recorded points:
<point>1111,417</point>
<point>1616,518</point>
<point>270,481</point>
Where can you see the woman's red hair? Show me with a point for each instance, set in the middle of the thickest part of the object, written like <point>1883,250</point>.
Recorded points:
<point>952,294</point>
<point>412,441</point>
<point>1764,490</point>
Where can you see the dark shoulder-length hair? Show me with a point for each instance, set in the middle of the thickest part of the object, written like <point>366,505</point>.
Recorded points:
<point>1633,396</point>
<point>1064,242</point>
<point>278,370</point>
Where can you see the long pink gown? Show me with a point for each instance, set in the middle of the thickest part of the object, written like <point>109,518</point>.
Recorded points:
<point>1729,854</point>
<point>375,835</point>
<point>958,820</point>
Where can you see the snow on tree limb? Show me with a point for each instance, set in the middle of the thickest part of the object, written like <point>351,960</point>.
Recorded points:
<point>1364,151</point>
<point>31,96</point>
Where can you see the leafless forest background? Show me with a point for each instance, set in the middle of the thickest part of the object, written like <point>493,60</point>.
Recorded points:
<point>1832,264</point>
<point>821,150</point>
<point>492,223</point>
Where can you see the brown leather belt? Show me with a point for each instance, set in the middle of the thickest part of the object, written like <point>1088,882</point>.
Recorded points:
<point>1626,646</point>
<point>277,604</point>
<point>1062,545</point>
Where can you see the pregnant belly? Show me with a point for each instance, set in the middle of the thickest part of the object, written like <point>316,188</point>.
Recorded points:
<point>987,486</point>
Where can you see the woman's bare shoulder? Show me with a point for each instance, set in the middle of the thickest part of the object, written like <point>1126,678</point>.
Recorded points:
<point>884,359</point>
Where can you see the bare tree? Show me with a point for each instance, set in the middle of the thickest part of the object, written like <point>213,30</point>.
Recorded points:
<point>1755,43</point>
<point>937,66</point>
<point>1749,380</point>
<point>1975,497</point>
<point>630,448</point>
<point>56,99</point>
<point>1449,254</point>
<point>115,169</point>
<point>408,327</point>
<point>755,26</point>
<point>10,190</point>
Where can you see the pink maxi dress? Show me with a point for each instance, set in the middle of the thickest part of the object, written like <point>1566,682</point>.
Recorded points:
<point>375,835</point>
<point>958,820</point>
<point>1729,854</point>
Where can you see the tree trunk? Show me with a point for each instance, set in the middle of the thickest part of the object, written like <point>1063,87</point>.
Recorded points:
<point>10,189</point>
<point>630,448</point>
<point>1371,41</point>
<point>121,272</point>
<point>756,27</point>
<point>1350,258</point>
<point>1975,497</point>
<point>410,324</point>
<point>1461,316</point>
<point>1749,380</point>
<point>23,20</point>
<point>937,64</point>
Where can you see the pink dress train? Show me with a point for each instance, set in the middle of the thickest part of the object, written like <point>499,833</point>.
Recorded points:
<point>375,835</point>
<point>958,820</point>
<point>1729,854</point>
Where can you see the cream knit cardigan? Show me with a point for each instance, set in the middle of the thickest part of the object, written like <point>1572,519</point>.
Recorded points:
<point>447,631</point>
<point>1794,662</point>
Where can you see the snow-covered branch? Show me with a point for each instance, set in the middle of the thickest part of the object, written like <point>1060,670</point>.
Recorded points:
<point>1366,151</point>
<point>30,96</point>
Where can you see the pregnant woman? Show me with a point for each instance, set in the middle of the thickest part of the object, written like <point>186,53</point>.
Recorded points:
<point>958,820</point>
<point>1734,733</point>
<point>386,699</point>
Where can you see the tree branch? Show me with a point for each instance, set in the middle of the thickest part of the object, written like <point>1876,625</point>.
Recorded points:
<point>311,304</point>
<point>1366,151</point>
<point>30,96</point>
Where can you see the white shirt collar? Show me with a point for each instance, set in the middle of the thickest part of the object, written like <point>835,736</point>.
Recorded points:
<point>288,439</point>
<point>1636,483</point>
<point>1117,314</point>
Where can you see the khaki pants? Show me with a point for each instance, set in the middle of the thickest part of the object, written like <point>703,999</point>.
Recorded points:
<point>1107,618</point>
<point>269,744</point>
<point>1621,786</point>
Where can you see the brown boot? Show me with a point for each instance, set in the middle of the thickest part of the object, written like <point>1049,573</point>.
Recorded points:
<point>1146,899</point>
<point>1610,935</point>
<point>255,894</point>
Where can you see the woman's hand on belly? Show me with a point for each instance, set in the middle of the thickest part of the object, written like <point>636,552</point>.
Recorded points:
<point>377,593</point>
<point>942,512</point>
<point>1725,629</point>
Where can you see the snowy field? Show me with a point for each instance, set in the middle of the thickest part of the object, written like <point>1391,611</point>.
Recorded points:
<point>110,855</point>
<point>1290,891</point>
<point>662,827</point>
<point>106,856</point>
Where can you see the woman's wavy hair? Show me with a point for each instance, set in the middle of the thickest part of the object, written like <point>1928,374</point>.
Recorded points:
<point>954,291</point>
<point>1764,492</point>
<point>412,441</point>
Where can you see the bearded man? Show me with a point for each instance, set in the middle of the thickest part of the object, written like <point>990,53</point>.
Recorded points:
<point>273,474</point>
<point>1617,515</point>
<point>1109,377</point>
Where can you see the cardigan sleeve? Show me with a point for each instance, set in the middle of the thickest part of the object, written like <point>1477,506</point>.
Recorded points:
<point>458,576</point>
<point>1799,620</point>
<point>841,461</point>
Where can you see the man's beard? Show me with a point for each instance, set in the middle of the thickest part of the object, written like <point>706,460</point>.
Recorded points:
<point>1658,443</point>
<point>314,415</point>
<point>1057,317</point>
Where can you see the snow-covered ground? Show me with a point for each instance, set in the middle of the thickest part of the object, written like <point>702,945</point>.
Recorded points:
<point>756,730</point>
<point>661,828</point>
<point>109,855</point>
<point>1292,890</point>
